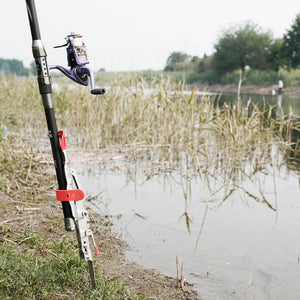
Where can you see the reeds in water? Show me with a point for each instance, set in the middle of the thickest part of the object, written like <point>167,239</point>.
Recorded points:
<point>156,121</point>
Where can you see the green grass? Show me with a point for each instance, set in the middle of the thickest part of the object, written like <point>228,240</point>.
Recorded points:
<point>44,269</point>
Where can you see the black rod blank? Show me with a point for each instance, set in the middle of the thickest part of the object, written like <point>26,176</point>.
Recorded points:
<point>45,88</point>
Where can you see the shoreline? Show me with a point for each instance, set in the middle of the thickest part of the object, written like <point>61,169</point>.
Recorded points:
<point>245,89</point>
<point>42,217</point>
<point>112,264</point>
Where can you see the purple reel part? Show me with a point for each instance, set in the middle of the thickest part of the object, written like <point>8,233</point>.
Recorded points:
<point>77,61</point>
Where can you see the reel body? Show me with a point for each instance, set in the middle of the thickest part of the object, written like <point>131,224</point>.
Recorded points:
<point>77,61</point>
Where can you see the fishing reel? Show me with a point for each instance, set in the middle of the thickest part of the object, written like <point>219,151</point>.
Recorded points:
<point>77,61</point>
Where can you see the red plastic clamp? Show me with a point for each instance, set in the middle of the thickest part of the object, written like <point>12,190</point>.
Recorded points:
<point>62,137</point>
<point>69,195</point>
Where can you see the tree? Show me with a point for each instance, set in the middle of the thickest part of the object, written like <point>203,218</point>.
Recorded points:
<point>176,58</point>
<point>17,67</point>
<point>32,68</point>
<point>291,45</point>
<point>205,64</point>
<point>241,46</point>
<point>13,66</point>
<point>274,57</point>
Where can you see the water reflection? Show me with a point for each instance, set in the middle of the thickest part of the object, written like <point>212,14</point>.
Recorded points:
<point>279,110</point>
<point>285,102</point>
<point>237,238</point>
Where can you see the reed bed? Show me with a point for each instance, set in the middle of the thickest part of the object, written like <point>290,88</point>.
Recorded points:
<point>157,121</point>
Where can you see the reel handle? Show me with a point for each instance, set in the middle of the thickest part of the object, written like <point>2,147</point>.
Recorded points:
<point>99,91</point>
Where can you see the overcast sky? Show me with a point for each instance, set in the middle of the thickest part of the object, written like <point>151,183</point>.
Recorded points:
<point>134,35</point>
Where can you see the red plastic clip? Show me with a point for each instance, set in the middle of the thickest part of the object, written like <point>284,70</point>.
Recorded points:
<point>62,137</point>
<point>69,195</point>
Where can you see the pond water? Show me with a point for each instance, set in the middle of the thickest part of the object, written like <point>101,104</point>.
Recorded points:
<point>281,103</point>
<point>235,242</point>
<point>245,248</point>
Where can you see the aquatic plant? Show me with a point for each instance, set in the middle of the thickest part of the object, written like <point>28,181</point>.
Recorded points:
<point>157,122</point>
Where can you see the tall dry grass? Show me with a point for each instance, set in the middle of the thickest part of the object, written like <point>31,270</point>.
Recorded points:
<point>156,121</point>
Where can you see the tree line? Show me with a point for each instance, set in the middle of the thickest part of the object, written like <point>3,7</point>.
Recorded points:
<point>13,66</point>
<point>243,47</point>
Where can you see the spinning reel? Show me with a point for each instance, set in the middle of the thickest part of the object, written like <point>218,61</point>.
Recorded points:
<point>77,61</point>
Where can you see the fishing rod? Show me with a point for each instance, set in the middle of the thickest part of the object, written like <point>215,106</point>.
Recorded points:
<point>69,191</point>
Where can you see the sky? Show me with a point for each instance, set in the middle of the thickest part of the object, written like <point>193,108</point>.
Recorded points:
<point>135,34</point>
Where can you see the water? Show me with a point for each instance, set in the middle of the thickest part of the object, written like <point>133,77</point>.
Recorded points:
<point>248,247</point>
<point>279,102</point>
<point>245,248</point>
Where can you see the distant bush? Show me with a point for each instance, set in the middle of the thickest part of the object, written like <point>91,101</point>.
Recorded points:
<point>207,77</point>
<point>263,78</point>
<point>13,66</point>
